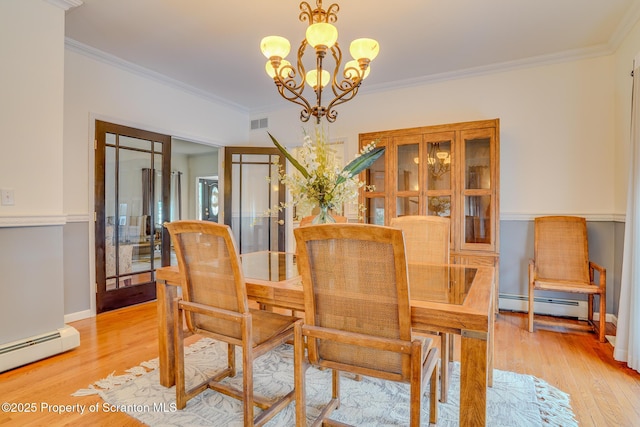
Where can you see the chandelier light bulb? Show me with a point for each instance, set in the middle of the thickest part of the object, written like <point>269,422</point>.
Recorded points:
<point>352,74</point>
<point>275,46</point>
<point>322,34</point>
<point>312,78</point>
<point>271,72</point>
<point>364,49</point>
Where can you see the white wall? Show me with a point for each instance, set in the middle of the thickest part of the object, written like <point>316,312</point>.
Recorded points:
<point>94,89</point>
<point>97,90</point>
<point>31,84</point>
<point>31,88</point>
<point>557,129</point>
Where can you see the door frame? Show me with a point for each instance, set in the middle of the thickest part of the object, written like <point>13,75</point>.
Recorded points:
<point>227,187</point>
<point>140,293</point>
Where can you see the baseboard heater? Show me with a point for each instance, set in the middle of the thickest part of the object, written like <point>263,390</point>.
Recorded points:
<point>21,352</point>
<point>551,306</point>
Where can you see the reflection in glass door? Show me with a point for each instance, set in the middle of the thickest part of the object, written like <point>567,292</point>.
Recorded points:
<point>208,199</point>
<point>252,188</point>
<point>132,203</point>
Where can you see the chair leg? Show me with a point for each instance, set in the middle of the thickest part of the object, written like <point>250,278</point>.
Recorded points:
<point>335,389</point>
<point>299,369</point>
<point>415,403</point>
<point>231,359</point>
<point>433,404</point>
<point>247,372</point>
<point>603,317</point>
<point>181,395</point>
<point>452,339</point>
<point>178,349</point>
<point>445,345</point>
<point>531,308</point>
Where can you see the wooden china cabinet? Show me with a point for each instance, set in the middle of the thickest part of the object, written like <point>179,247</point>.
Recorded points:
<point>450,170</point>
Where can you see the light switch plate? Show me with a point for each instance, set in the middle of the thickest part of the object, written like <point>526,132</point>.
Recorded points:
<point>7,198</point>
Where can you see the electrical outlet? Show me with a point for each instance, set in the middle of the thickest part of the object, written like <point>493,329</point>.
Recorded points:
<point>7,198</point>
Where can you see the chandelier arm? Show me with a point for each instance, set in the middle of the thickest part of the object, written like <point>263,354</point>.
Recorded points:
<point>341,99</point>
<point>289,89</point>
<point>306,13</point>
<point>294,97</point>
<point>332,13</point>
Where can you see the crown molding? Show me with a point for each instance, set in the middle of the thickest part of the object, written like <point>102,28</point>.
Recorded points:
<point>65,4</point>
<point>98,55</point>
<point>555,58</point>
<point>630,19</point>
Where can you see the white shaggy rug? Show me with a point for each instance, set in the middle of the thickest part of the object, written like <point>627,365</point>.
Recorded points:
<point>514,399</point>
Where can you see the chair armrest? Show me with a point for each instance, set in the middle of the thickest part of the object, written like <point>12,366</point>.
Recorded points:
<point>208,310</point>
<point>532,269</point>
<point>357,339</point>
<point>602,274</point>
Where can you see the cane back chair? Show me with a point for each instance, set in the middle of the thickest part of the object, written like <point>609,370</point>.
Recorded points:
<point>214,304</point>
<point>358,313</point>
<point>561,263</point>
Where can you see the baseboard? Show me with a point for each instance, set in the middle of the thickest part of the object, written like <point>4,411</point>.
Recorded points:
<point>549,306</point>
<point>79,315</point>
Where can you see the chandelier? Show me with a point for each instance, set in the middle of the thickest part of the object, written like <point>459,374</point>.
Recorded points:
<point>322,36</point>
<point>438,160</point>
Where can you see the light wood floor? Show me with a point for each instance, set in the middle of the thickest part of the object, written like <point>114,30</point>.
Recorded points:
<point>603,391</point>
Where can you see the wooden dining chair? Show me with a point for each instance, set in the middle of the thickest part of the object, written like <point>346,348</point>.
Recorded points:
<point>561,263</point>
<point>214,304</point>
<point>427,240</point>
<point>308,220</point>
<point>358,314</point>
<point>426,237</point>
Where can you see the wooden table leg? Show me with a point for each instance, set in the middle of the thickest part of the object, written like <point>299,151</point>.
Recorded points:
<point>165,295</point>
<point>473,378</point>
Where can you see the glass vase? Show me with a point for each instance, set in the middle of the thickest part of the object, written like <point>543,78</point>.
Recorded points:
<point>323,217</point>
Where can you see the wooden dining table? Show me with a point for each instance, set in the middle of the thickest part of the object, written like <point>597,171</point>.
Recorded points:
<point>444,298</point>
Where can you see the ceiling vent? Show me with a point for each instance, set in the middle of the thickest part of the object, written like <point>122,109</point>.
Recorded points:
<point>259,123</point>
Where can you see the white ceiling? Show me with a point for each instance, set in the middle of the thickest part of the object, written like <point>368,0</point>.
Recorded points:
<point>212,47</point>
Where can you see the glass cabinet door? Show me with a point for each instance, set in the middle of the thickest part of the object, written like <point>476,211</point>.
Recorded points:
<point>439,153</point>
<point>477,198</point>
<point>375,200</point>
<point>409,180</point>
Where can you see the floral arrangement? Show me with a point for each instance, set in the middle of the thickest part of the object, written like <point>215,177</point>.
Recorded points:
<point>318,180</point>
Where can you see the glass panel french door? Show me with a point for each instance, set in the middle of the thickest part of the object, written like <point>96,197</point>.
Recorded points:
<point>251,188</point>
<point>132,202</point>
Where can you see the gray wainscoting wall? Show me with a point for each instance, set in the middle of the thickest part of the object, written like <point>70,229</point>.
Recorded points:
<point>31,281</point>
<point>77,284</point>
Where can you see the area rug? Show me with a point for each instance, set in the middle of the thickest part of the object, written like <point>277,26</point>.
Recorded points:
<point>514,399</point>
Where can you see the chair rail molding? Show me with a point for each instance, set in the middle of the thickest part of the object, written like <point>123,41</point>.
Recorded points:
<point>65,4</point>
<point>32,221</point>
<point>612,217</point>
